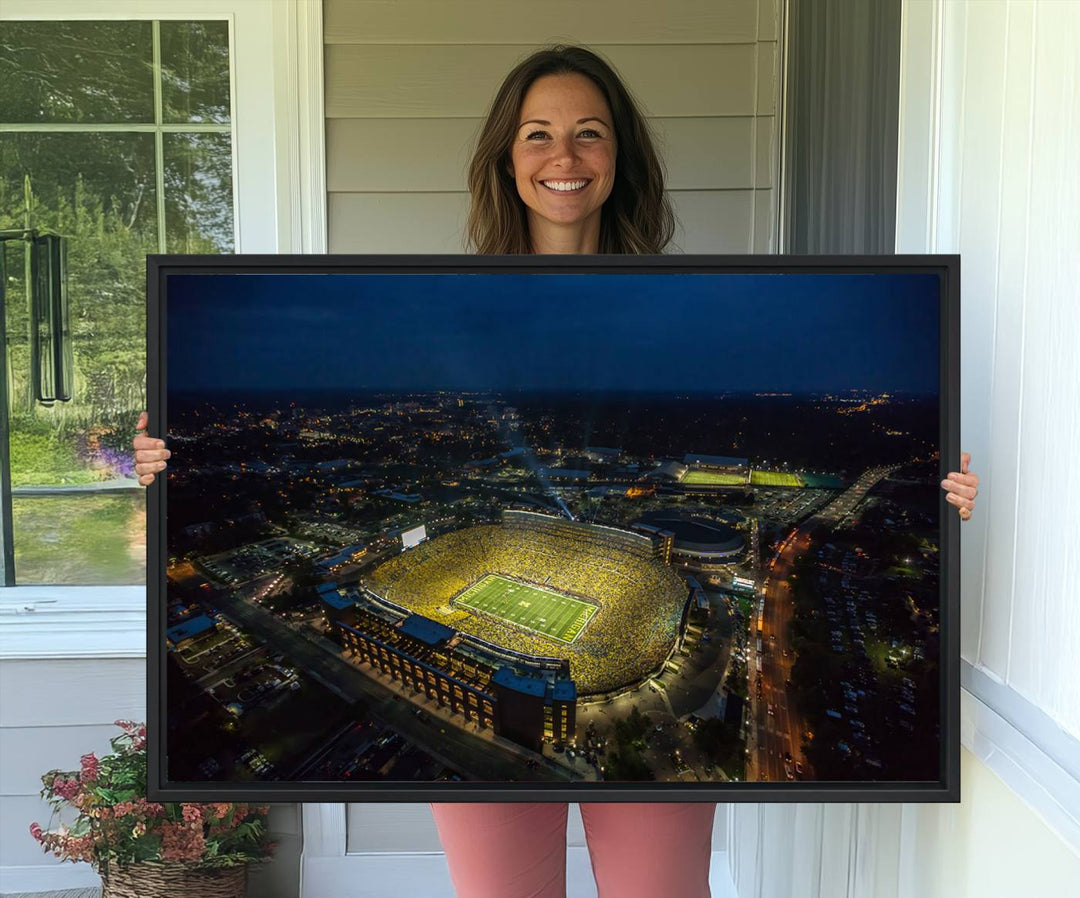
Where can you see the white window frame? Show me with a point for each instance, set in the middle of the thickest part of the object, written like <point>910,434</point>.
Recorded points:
<point>279,198</point>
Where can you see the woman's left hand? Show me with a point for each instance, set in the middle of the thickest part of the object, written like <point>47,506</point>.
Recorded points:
<point>961,487</point>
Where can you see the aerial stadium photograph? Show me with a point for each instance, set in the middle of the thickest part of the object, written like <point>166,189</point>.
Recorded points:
<point>552,528</point>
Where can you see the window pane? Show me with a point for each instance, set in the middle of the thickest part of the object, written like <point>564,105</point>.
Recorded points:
<point>198,193</point>
<point>76,72</point>
<point>195,72</point>
<point>81,540</point>
<point>98,191</point>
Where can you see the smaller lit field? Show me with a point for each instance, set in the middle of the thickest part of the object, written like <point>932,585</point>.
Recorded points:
<point>775,478</point>
<point>544,611</point>
<point>713,478</point>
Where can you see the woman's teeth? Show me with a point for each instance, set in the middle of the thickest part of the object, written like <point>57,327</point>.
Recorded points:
<point>564,186</point>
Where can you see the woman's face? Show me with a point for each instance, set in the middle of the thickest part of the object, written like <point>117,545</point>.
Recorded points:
<point>563,154</point>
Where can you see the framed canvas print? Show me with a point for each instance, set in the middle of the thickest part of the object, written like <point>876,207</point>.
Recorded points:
<point>553,528</point>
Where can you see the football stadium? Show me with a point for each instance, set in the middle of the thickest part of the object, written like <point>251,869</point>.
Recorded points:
<point>541,586</point>
<point>697,542</point>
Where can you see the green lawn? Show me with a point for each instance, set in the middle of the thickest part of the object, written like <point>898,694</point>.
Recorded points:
<point>531,607</point>
<point>80,540</point>
<point>713,478</point>
<point>775,478</point>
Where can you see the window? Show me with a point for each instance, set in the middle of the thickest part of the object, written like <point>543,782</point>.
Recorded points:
<point>276,89</point>
<point>117,135</point>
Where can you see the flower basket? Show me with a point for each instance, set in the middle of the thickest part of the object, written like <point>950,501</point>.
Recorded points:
<point>143,848</point>
<point>171,880</point>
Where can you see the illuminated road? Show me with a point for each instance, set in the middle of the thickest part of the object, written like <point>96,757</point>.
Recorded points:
<point>780,732</point>
<point>774,735</point>
<point>844,504</point>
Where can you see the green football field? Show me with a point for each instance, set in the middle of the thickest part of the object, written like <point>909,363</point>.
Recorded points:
<point>713,478</point>
<point>541,610</point>
<point>775,478</point>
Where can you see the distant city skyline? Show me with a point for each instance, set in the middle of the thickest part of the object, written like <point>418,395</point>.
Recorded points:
<point>688,333</point>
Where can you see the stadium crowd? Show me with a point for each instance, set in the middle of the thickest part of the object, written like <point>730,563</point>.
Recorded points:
<point>640,600</point>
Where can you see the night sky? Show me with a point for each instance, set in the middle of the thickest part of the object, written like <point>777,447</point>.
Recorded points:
<point>649,332</point>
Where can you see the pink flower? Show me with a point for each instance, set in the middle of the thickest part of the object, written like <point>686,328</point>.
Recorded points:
<point>150,808</point>
<point>192,813</point>
<point>65,788</point>
<point>181,842</point>
<point>36,831</point>
<point>89,768</point>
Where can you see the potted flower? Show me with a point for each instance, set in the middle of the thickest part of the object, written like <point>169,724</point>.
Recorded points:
<point>140,847</point>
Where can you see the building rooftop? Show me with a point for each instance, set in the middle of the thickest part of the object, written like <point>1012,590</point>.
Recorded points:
<point>426,630</point>
<point>505,676</point>
<point>190,628</point>
<point>336,600</point>
<point>564,690</point>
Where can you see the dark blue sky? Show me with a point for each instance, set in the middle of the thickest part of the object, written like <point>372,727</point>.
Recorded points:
<point>678,332</point>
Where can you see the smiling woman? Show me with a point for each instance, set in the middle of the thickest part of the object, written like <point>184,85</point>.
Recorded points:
<point>564,165</point>
<point>560,118</point>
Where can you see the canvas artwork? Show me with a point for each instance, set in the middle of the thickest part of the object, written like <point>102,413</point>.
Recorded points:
<point>545,530</point>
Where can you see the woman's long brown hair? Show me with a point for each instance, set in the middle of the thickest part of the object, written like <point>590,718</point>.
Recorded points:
<point>637,216</point>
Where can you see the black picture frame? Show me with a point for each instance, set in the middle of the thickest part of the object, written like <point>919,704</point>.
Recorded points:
<point>946,789</point>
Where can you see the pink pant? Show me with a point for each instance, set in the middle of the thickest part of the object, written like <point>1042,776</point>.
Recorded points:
<point>506,850</point>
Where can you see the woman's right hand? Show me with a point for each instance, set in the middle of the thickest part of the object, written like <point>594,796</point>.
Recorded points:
<point>150,453</point>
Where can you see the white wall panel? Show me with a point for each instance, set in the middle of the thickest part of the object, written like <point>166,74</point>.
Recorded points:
<point>980,173</point>
<point>768,12</point>
<point>517,22</point>
<point>1012,241</point>
<point>391,826</point>
<point>1005,182</point>
<point>71,693</point>
<point>713,221</point>
<point>765,147</point>
<point>1045,633</point>
<point>457,80</point>
<point>397,222</point>
<point>28,752</point>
